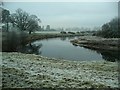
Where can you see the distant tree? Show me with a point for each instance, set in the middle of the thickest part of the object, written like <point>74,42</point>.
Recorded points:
<point>1,3</point>
<point>5,17</point>
<point>24,21</point>
<point>48,27</point>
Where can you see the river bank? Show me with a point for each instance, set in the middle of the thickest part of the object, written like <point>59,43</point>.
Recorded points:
<point>35,71</point>
<point>40,36</point>
<point>98,43</point>
<point>13,41</point>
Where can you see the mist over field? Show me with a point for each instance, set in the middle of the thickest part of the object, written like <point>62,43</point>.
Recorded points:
<point>69,14</point>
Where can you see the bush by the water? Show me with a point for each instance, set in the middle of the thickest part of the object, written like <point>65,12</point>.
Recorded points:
<point>63,32</point>
<point>78,32</point>
<point>12,41</point>
<point>71,32</point>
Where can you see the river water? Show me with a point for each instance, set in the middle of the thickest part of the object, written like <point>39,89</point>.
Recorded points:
<point>62,48</point>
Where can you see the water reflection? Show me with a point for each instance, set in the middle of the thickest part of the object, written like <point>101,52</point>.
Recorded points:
<point>32,49</point>
<point>72,37</point>
<point>63,38</point>
<point>74,44</point>
<point>111,56</point>
<point>68,38</point>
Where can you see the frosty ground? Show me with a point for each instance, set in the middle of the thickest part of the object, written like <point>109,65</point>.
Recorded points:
<point>35,71</point>
<point>98,43</point>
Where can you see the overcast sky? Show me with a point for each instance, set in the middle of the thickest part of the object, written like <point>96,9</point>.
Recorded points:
<point>68,14</point>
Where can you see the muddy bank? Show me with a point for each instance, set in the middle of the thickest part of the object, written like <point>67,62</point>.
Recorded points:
<point>33,71</point>
<point>98,43</point>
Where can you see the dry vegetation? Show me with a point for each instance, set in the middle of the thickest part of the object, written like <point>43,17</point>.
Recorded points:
<point>98,43</point>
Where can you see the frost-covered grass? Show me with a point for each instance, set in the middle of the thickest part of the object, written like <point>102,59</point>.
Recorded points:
<point>98,43</point>
<point>28,70</point>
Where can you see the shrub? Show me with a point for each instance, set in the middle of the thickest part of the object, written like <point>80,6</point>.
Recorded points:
<point>63,32</point>
<point>12,41</point>
<point>71,32</point>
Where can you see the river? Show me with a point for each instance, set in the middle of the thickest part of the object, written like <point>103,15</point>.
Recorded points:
<point>62,48</point>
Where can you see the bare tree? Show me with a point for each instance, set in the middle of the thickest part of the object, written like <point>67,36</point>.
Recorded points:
<point>1,3</point>
<point>24,21</point>
<point>5,17</point>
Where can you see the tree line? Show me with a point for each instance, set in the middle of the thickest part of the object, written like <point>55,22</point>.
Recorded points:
<point>110,29</point>
<point>16,28</point>
<point>21,20</point>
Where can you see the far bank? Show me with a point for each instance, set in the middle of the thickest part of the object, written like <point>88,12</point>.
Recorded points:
<point>98,43</point>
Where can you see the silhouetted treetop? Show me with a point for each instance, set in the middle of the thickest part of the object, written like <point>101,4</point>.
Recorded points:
<point>25,21</point>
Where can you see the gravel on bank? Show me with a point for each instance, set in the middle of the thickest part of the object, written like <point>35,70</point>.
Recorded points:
<point>35,71</point>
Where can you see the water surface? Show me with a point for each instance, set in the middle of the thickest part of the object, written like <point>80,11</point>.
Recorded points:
<point>61,48</point>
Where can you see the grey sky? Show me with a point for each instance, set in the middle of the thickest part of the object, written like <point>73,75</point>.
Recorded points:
<point>69,14</point>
